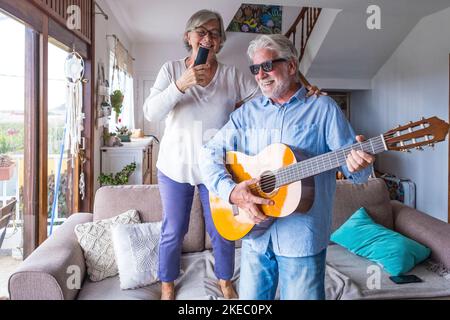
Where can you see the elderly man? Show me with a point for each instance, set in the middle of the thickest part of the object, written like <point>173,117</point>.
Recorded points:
<point>292,250</point>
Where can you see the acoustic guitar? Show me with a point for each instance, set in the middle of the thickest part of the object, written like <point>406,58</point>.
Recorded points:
<point>290,183</point>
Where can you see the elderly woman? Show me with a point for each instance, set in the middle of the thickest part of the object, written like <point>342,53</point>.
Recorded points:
<point>194,101</point>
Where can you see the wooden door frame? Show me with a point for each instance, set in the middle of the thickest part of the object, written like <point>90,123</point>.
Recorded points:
<point>43,132</point>
<point>31,153</point>
<point>30,13</point>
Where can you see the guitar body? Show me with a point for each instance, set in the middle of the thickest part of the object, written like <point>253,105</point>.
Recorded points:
<point>297,196</point>
<point>290,184</point>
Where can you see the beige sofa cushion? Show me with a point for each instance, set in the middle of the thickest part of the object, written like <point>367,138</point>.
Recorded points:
<point>372,195</point>
<point>95,239</point>
<point>208,244</point>
<point>109,202</point>
<point>197,281</point>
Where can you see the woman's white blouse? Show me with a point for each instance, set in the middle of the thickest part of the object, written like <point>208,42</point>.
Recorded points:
<point>193,117</point>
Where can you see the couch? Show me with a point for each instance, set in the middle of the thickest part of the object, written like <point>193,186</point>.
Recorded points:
<point>56,270</point>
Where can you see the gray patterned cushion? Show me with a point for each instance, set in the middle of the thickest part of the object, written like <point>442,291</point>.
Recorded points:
<point>95,239</point>
<point>136,247</point>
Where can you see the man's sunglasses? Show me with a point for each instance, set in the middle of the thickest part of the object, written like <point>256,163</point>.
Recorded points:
<point>267,66</point>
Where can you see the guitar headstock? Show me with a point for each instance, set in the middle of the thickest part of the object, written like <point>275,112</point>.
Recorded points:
<point>425,132</point>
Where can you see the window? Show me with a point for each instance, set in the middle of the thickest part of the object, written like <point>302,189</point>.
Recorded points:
<point>12,127</point>
<point>60,177</point>
<point>119,79</point>
<point>32,115</point>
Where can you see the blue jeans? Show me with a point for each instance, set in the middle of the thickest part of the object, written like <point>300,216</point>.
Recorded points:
<point>301,278</point>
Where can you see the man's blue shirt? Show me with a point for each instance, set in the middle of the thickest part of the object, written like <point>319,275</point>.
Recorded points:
<point>310,126</point>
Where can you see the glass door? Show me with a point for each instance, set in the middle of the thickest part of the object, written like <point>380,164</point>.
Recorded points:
<point>14,166</point>
<point>60,173</point>
<point>12,130</point>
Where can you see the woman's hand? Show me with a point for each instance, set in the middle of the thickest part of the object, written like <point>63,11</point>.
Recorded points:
<point>314,90</point>
<point>193,76</point>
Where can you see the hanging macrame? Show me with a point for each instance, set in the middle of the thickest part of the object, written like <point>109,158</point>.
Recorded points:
<point>74,70</point>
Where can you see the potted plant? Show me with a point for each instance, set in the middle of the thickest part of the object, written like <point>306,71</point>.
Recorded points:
<point>111,140</point>
<point>123,134</point>
<point>6,167</point>
<point>116,102</point>
<point>119,178</point>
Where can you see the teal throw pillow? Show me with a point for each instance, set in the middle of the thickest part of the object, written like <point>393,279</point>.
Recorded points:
<point>395,252</point>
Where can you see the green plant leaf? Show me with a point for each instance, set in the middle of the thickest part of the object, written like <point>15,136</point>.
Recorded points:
<point>119,178</point>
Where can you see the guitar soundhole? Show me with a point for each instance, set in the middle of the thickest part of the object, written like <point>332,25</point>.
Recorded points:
<point>267,182</point>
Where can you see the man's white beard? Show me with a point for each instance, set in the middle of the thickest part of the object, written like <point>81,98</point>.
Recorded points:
<point>280,89</point>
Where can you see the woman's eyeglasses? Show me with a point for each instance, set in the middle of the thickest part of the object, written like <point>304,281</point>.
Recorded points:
<point>267,66</point>
<point>202,32</point>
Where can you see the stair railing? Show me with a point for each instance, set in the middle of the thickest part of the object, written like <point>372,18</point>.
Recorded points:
<point>304,24</point>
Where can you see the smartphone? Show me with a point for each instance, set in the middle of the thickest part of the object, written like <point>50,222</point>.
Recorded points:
<point>202,56</point>
<point>409,278</point>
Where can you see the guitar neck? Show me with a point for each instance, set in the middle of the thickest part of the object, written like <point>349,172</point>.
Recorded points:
<point>326,162</point>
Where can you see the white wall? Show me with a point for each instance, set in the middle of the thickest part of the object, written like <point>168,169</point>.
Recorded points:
<point>102,28</point>
<point>414,82</point>
<point>318,34</point>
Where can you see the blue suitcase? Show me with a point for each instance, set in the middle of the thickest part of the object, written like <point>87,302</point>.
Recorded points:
<point>403,190</point>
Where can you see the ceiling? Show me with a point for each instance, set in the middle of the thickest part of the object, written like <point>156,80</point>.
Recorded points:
<point>161,21</point>
<point>352,51</point>
<point>347,52</point>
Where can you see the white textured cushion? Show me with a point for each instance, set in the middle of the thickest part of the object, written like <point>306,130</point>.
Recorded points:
<point>136,247</point>
<point>95,239</point>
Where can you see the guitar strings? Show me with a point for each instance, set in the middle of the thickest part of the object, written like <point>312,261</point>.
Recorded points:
<point>323,160</point>
<point>291,172</point>
<point>319,162</point>
<point>310,166</point>
<point>315,163</point>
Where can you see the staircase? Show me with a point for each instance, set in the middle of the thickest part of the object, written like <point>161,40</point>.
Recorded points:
<point>303,25</point>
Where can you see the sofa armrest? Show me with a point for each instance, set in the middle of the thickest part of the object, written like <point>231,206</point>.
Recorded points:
<point>55,270</point>
<point>431,232</point>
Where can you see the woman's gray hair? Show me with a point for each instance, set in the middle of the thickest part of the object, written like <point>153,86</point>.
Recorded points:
<point>276,42</point>
<point>199,18</point>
